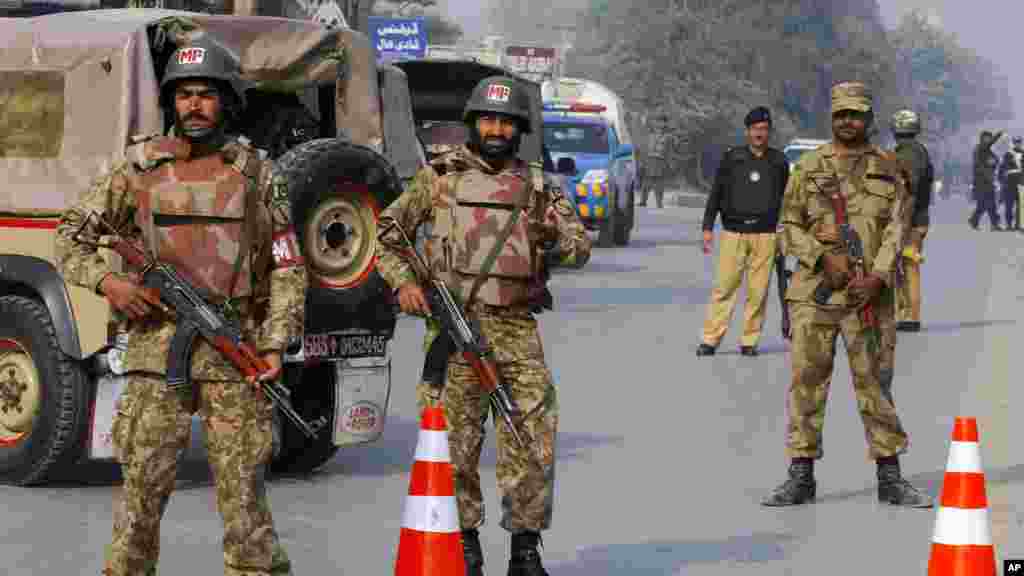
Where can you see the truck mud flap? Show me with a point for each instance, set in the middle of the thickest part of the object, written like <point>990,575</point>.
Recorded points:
<point>361,402</point>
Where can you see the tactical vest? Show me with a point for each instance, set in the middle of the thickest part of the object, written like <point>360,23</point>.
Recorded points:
<point>475,209</point>
<point>193,213</point>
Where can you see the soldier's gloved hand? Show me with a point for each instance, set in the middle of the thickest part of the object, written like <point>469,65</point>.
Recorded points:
<point>837,269</point>
<point>412,300</point>
<point>864,290</point>
<point>129,297</point>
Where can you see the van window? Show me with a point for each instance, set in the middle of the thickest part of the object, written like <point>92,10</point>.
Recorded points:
<point>571,137</point>
<point>31,113</point>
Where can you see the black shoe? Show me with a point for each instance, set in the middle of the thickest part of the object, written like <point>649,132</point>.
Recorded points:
<point>973,223</point>
<point>525,560</point>
<point>908,326</point>
<point>705,350</point>
<point>473,553</point>
<point>800,487</point>
<point>893,489</point>
<point>748,350</point>
<point>997,228</point>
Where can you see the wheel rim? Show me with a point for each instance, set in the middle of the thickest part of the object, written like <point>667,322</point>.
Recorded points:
<point>341,237</point>
<point>20,392</point>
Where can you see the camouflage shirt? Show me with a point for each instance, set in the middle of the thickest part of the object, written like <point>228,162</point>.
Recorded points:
<point>114,196</point>
<point>420,202</point>
<point>873,182</point>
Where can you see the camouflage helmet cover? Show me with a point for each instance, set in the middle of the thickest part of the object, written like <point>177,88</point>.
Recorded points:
<point>502,95</point>
<point>905,122</point>
<point>203,58</point>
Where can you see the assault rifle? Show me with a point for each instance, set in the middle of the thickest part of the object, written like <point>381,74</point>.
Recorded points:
<point>466,336</point>
<point>195,317</point>
<point>854,247</point>
<point>782,276</point>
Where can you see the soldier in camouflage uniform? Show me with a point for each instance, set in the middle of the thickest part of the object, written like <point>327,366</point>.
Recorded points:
<point>202,202</point>
<point>466,200</point>
<point>872,181</point>
<point>656,163</point>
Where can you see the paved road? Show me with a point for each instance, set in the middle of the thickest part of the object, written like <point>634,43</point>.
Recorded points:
<point>662,456</point>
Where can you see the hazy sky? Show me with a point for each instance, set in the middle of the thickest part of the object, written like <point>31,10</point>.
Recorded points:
<point>989,26</point>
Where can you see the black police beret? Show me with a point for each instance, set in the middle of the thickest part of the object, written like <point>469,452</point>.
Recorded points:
<point>759,114</point>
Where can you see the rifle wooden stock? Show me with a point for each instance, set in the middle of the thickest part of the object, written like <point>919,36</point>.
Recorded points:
<point>854,248</point>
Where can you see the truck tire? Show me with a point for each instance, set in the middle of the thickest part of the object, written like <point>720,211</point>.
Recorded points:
<point>337,188</point>
<point>44,396</point>
<point>624,222</point>
<point>298,455</point>
<point>607,228</point>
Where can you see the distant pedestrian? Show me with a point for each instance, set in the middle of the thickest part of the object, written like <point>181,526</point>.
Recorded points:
<point>747,192</point>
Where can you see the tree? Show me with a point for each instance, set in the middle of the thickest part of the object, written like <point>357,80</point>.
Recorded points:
<point>706,62</point>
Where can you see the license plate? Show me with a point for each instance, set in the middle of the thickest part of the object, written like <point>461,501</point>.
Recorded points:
<point>341,345</point>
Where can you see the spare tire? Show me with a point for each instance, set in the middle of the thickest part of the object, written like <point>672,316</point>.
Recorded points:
<point>337,189</point>
<point>44,396</point>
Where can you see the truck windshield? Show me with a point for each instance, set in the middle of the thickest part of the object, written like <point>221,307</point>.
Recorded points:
<point>585,138</point>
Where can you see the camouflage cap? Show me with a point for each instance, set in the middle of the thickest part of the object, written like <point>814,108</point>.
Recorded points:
<point>851,96</point>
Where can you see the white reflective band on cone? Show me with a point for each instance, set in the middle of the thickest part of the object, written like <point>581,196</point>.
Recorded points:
<point>431,514</point>
<point>964,457</point>
<point>962,527</point>
<point>432,446</point>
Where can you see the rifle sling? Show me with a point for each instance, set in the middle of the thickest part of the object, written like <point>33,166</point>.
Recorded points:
<point>492,256</point>
<point>488,263</point>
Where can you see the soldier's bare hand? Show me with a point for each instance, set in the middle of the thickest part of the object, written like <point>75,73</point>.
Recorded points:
<point>837,269</point>
<point>129,297</point>
<point>828,235</point>
<point>412,300</point>
<point>708,237</point>
<point>865,290</point>
<point>274,360</point>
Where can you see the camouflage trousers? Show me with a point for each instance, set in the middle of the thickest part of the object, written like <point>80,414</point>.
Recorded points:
<point>151,430</point>
<point>815,332</point>
<point>885,312</point>
<point>525,477</point>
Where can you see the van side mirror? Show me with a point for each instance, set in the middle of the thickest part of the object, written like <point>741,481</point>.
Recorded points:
<point>566,166</point>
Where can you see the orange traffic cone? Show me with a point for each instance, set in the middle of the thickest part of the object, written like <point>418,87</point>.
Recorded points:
<point>962,541</point>
<point>431,542</point>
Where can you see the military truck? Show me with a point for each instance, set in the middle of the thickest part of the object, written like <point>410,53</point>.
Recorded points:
<point>74,88</point>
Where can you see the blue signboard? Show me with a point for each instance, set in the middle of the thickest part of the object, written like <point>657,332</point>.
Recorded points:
<point>398,38</point>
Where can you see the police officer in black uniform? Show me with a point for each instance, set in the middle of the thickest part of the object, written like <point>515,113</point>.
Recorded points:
<point>748,193</point>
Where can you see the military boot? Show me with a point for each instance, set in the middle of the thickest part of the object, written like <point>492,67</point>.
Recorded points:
<point>798,488</point>
<point>525,560</point>
<point>893,489</point>
<point>473,553</point>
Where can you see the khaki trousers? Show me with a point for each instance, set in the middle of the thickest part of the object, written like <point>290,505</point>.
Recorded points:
<point>908,293</point>
<point>739,254</point>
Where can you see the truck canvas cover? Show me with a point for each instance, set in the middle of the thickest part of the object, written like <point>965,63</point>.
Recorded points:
<point>75,86</point>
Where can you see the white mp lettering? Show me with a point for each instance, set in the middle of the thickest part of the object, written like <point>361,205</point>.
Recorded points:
<point>191,55</point>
